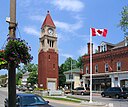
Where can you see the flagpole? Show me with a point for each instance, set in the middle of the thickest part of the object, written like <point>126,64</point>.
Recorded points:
<point>90,66</point>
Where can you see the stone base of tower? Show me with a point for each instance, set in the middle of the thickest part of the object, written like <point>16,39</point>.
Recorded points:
<point>48,70</point>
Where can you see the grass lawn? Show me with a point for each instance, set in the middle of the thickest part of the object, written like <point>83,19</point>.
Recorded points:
<point>68,98</point>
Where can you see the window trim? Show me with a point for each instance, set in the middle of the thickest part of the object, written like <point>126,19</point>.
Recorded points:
<point>103,48</point>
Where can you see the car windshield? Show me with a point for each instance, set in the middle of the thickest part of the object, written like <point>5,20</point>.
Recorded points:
<point>32,100</point>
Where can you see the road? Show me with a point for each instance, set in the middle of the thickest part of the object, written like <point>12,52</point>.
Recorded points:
<point>54,103</point>
<point>98,98</point>
<point>3,94</point>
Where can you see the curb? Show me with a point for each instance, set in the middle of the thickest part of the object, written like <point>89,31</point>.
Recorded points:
<point>94,104</point>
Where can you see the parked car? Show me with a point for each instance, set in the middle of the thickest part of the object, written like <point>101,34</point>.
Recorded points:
<point>81,91</point>
<point>67,91</point>
<point>22,88</point>
<point>31,88</point>
<point>29,100</point>
<point>116,92</point>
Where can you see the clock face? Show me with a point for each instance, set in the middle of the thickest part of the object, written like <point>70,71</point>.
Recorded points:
<point>50,31</point>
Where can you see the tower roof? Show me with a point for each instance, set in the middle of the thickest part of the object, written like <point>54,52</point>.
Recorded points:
<point>48,21</point>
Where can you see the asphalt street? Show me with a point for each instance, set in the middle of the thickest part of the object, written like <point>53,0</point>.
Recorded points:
<point>112,101</point>
<point>3,94</point>
<point>55,103</point>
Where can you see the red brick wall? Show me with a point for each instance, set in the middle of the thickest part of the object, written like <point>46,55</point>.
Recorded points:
<point>47,67</point>
<point>111,57</point>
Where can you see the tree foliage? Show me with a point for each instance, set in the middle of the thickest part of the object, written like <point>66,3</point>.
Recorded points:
<point>3,62</point>
<point>18,78</point>
<point>32,78</point>
<point>66,66</point>
<point>79,63</point>
<point>62,77</point>
<point>17,51</point>
<point>124,20</point>
<point>28,68</point>
<point>70,63</point>
<point>32,68</point>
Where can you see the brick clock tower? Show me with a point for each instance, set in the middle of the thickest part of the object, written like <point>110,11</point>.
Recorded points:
<point>48,56</point>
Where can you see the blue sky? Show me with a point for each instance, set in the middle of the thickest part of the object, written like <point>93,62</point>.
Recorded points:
<point>72,18</point>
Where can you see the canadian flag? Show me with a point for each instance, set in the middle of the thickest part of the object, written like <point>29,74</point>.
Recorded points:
<point>99,32</point>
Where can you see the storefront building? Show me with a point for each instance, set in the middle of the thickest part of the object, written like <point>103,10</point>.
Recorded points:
<point>109,66</point>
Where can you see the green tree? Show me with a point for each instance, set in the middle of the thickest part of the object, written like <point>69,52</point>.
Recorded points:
<point>67,64</point>
<point>28,68</point>
<point>62,77</point>
<point>79,62</point>
<point>32,78</point>
<point>124,20</point>
<point>32,68</point>
<point>18,78</point>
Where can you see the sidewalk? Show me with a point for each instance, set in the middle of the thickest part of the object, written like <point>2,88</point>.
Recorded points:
<point>75,104</point>
<point>82,102</point>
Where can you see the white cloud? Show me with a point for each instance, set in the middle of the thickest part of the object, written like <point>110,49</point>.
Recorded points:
<point>68,27</point>
<point>62,37</point>
<point>67,55</point>
<point>31,31</point>
<point>37,18</point>
<point>69,5</point>
<point>64,26</point>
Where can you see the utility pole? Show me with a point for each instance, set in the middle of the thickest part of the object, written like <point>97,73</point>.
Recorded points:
<point>12,23</point>
<point>11,65</point>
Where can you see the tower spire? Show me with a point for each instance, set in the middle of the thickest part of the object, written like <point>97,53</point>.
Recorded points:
<point>48,21</point>
<point>48,11</point>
